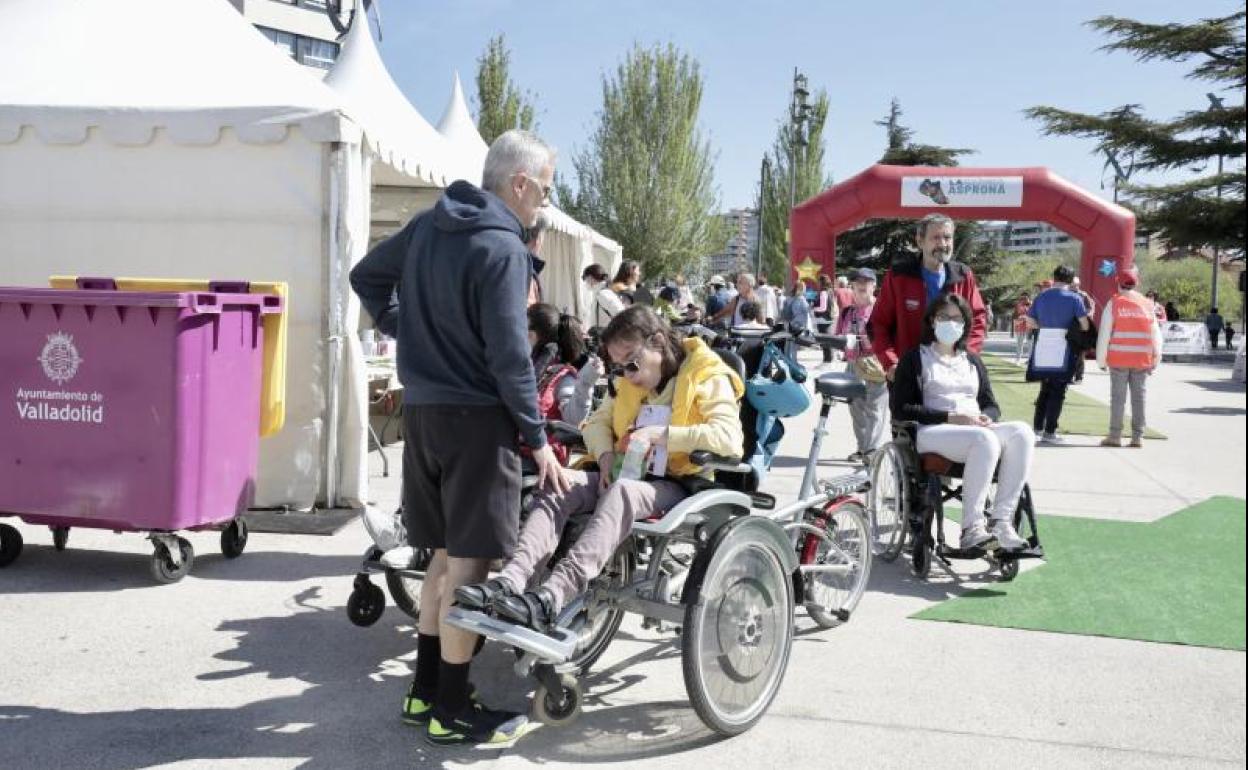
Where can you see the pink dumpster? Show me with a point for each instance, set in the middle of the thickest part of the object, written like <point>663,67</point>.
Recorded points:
<point>131,412</point>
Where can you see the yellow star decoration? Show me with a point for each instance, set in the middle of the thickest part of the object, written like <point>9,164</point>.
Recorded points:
<point>808,270</point>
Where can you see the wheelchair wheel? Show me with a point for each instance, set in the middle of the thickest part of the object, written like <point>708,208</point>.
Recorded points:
<point>1009,570</point>
<point>832,596</point>
<point>921,559</point>
<point>888,501</point>
<point>604,620</point>
<point>738,634</point>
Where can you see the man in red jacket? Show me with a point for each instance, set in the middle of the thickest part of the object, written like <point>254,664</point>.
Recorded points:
<point>897,320</point>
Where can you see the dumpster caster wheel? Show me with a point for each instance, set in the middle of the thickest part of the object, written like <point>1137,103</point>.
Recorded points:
<point>558,709</point>
<point>365,605</point>
<point>60,536</point>
<point>234,539</point>
<point>10,544</point>
<point>162,566</point>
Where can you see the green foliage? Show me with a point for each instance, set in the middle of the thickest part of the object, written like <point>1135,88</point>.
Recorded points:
<point>1188,284</point>
<point>500,105</point>
<point>810,180</point>
<point>1190,213</point>
<point>647,177</point>
<point>1018,273</point>
<point>877,243</point>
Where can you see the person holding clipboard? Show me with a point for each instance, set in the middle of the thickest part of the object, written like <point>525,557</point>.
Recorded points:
<point>1054,312</point>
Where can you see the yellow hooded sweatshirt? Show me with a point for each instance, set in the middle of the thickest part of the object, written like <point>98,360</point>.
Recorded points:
<point>704,397</point>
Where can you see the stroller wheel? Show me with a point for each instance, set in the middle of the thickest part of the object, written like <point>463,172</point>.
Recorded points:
<point>365,605</point>
<point>559,708</point>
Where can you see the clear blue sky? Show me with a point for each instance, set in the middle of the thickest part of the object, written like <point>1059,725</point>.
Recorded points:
<point>963,71</point>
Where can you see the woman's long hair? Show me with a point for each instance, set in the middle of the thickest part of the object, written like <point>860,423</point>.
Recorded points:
<point>551,326</point>
<point>628,272</point>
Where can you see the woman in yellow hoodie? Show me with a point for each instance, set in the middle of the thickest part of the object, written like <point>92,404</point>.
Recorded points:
<point>652,366</point>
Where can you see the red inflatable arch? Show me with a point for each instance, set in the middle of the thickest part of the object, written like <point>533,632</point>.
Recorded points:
<point>1106,230</point>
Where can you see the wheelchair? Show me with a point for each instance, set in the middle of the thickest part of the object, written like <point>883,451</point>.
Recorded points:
<point>720,576</point>
<point>907,497</point>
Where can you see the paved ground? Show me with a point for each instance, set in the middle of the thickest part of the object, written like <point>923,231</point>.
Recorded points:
<point>252,663</point>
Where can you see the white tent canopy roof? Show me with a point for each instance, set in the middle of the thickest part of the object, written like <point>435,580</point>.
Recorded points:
<point>395,130</point>
<point>74,65</point>
<point>460,131</point>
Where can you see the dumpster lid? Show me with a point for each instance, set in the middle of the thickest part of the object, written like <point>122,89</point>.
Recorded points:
<point>195,301</point>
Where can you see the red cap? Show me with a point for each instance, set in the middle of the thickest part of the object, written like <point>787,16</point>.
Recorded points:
<point>1128,277</point>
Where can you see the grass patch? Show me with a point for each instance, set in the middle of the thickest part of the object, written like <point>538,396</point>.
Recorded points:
<point>1081,415</point>
<point>1178,580</point>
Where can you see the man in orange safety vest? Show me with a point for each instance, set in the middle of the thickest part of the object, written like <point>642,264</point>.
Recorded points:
<point>1129,345</point>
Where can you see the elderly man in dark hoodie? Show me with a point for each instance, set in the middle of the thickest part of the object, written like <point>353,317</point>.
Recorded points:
<point>451,287</point>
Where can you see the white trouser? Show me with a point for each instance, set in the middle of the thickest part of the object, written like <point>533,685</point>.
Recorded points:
<point>981,449</point>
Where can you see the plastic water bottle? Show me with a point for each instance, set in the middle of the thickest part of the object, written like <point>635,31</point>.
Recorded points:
<point>634,464</point>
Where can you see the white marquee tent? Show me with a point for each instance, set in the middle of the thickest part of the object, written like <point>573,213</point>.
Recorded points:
<point>413,161</point>
<point>170,139</point>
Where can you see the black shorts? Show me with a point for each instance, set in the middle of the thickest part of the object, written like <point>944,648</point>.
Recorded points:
<point>461,480</point>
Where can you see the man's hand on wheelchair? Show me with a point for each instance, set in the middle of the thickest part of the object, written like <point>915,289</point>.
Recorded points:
<point>549,471</point>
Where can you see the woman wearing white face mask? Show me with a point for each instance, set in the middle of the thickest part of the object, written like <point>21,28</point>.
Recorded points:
<point>604,303</point>
<point>946,390</point>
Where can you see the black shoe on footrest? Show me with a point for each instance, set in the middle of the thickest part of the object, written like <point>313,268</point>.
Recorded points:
<point>535,609</point>
<point>481,596</point>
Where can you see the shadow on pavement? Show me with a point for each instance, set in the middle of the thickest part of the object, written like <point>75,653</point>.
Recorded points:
<point>1212,411</point>
<point>1221,386</point>
<point>347,714</point>
<point>42,569</point>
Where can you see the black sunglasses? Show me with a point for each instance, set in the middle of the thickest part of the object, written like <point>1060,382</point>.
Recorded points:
<point>619,370</point>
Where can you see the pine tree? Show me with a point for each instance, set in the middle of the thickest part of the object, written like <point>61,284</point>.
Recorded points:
<point>879,242</point>
<point>646,178</point>
<point>500,105</point>
<point>1186,213</point>
<point>808,153</point>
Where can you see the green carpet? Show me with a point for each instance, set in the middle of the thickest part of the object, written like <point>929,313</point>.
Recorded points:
<point>1017,397</point>
<point>1178,580</point>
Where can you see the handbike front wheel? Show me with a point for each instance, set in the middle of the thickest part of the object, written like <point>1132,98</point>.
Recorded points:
<point>832,595</point>
<point>888,502</point>
<point>738,634</point>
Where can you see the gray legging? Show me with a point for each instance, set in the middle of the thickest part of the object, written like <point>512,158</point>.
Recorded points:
<point>615,510</point>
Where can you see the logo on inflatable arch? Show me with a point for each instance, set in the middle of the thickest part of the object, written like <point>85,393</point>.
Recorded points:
<point>60,359</point>
<point>1108,268</point>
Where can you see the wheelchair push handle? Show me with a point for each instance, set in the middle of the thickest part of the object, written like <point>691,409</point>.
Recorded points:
<point>834,341</point>
<point>564,432</point>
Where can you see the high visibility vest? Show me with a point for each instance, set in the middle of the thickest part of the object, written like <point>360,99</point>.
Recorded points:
<point>1131,342</point>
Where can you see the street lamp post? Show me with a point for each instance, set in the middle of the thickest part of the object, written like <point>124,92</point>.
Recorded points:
<point>799,113</point>
<point>764,182</point>
<point>1215,103</point>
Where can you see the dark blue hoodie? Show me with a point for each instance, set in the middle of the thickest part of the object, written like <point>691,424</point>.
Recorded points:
<point>452,287</point>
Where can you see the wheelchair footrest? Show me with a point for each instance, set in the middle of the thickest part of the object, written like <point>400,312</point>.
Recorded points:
<point>557,647</point>
<point>979,552</point>
<point>1035,552</point>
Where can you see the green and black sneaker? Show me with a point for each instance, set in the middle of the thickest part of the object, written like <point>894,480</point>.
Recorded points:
<point>417,710</point>
<point>477,725</point>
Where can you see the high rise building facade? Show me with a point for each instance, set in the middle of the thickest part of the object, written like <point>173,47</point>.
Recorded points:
<point>741,249</point>
<point>301,28</point>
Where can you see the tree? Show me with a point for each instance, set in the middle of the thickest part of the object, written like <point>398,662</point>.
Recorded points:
<point>1186,213</point>
<point>807,152</point>
<point>647,177</point>
<point>500,105</point>
<point>878,242</point>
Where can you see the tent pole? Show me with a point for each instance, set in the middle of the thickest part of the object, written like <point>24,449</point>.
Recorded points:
<point>337,161</point>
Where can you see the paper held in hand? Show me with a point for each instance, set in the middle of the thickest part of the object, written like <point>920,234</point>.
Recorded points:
<point>1050,350</point>
<point>661,416</point>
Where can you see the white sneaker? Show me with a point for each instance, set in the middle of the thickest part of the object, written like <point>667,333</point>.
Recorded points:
<point>399,558</point>
<point>1007,537</point>
<point>386,529</point>
<point>974,536</point>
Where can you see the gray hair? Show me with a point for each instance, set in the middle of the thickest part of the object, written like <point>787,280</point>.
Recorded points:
<point>928,221</point>
<point>514,152</point>
<point>748,278</point>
